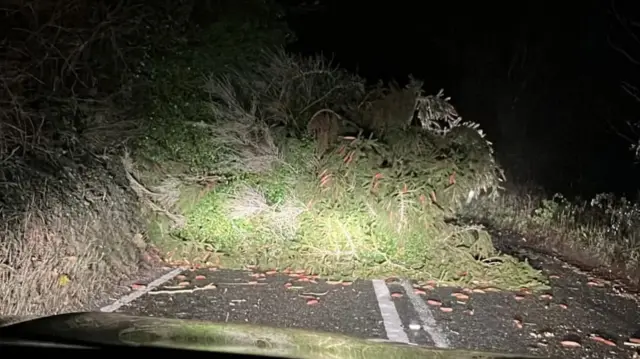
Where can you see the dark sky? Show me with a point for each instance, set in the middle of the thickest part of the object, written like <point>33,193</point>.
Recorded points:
<point>564,73</point>
<point>388,38</point>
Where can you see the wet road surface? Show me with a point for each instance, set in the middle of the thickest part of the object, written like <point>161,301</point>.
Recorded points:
<point>580,317</point>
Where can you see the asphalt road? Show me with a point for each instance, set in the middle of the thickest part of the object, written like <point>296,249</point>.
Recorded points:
<point>580,317</point>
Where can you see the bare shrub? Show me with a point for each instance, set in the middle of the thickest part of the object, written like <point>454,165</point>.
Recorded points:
<point>390,109</point>
<point>279,91</point>
<point>323,127</point>
<point>288,90</point>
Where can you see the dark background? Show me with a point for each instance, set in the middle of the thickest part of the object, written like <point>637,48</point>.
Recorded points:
<point>540,77</point>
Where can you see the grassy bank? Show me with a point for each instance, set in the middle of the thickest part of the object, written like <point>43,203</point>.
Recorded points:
<point>73,82</point>
<point>600,234</point>
<point>69,222</point>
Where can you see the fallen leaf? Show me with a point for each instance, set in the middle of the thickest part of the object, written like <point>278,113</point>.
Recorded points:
<point>602,340</point>
<point>570,344</point>
<point>434,302</point>
<point>460,296</point>
<point>63,280</point>
<point>518,323</point>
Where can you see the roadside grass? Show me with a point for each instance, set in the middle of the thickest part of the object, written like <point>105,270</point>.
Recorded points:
<point>601,234</point>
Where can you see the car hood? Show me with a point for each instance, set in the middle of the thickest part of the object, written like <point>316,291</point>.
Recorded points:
<point>120,329</point>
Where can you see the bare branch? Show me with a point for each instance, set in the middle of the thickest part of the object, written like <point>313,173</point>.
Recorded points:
<point>623,52</point>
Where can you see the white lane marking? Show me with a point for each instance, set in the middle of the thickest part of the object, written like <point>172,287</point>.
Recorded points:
<point>140,292</point>
<point>390,316</point>
<point>426,317</point>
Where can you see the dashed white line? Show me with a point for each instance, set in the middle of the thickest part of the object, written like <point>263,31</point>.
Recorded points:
<point>390,316</point>
<point>426,317</point>
<point>140,292</point>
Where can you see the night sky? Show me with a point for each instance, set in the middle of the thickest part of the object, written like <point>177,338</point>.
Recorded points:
<point>550,116</point>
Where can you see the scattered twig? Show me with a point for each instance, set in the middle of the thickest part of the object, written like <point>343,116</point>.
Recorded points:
<point>209,286</point>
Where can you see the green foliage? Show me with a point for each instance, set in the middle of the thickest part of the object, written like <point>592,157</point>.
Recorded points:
<point>176,102</point>
<point>371,219</point>
<point>298,193</point>
<point>181,142</point>
<point>207,223</point>
<point>347,213</point>
<point>551,209</point>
